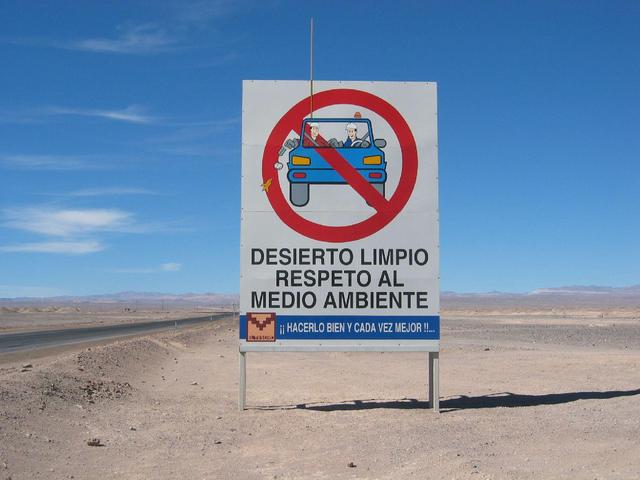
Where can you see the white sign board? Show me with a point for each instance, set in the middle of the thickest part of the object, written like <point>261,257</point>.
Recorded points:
<point>339,233</point>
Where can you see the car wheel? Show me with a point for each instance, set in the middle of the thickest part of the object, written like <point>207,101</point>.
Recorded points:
<point>299,194</point>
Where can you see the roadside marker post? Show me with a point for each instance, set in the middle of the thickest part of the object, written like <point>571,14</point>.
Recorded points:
<point>340,221</point>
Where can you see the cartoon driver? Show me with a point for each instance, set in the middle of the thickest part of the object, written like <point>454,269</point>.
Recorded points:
<point>352,136</point>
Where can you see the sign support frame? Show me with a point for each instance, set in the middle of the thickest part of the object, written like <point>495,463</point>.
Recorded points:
<point>433,378</point>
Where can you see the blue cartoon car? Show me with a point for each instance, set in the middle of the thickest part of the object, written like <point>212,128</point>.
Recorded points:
<point>351,138</point>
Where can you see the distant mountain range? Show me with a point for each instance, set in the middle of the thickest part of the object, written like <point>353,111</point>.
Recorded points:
<point>571,296</point>
<point>133,299</point>
<point>589,290</point>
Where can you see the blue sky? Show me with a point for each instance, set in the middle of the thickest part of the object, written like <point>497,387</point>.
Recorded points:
<point>120,134</point>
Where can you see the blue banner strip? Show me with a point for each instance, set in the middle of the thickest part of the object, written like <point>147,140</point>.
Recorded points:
<point>326,327</point>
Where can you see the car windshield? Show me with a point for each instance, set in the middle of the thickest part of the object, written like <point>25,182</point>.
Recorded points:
<point>348,133</point>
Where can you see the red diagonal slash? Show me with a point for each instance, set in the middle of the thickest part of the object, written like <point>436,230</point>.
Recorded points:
<point>352,177</point>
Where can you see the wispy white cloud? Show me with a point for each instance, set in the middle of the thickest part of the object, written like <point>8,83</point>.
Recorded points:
<point>48,162</point>
<point>178,32</point>
<point>108,191</point>
<point>77,231</point>
<point>170,267</point>
<point>130,114</point>
<point>65,247</point>
<point>143,39</point>
<point>195,139</point>
<point>80,162</point>
<point>67,222</point>
<point>17,291</point>
<point>164,267</point>
<point>136,114</point>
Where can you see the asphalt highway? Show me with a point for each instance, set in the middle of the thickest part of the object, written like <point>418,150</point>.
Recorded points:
<point>16,342</point>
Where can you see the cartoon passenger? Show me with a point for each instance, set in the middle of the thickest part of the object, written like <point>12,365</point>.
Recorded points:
<point>312,138</point>
<point>315,130</point>
<point>352,136</point>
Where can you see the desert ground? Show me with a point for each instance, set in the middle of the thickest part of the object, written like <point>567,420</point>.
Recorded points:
<point>524,395</point>
<point>23,318</point>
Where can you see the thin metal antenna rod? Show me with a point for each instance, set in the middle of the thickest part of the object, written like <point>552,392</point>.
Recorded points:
<point>311,69</point>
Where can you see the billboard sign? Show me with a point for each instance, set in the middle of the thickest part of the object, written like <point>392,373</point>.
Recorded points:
<point>339,230</point>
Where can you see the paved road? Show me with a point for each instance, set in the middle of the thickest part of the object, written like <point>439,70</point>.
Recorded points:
<point>15,342</point>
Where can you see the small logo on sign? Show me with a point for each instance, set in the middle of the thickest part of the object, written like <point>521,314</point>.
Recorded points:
<point>261,327</point>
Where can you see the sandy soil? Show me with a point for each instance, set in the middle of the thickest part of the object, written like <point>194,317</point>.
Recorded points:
<point>521,397</point>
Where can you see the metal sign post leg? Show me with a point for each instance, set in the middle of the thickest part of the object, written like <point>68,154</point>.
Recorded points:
<point>430,379</point>
<point>242,385</point>
<point>434,381</point>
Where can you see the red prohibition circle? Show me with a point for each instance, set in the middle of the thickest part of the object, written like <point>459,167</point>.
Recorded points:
<point>292,121</point>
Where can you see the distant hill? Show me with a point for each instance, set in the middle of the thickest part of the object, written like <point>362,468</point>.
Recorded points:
<point>589,290</point>
<point>559,297</point>
<point>133,300</point>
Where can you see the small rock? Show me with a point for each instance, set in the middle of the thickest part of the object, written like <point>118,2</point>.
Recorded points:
<point>487,349</point>
<point>351,465</point>
<point>194,383</point>
<point>27,365</point>
<point>81,369</point>
<point>95,442</point>
<point>217,442</point>
<point>133,429</point>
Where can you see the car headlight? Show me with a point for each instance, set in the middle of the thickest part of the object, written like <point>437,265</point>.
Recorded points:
<point>300,160</point>
<point>372,160</point>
